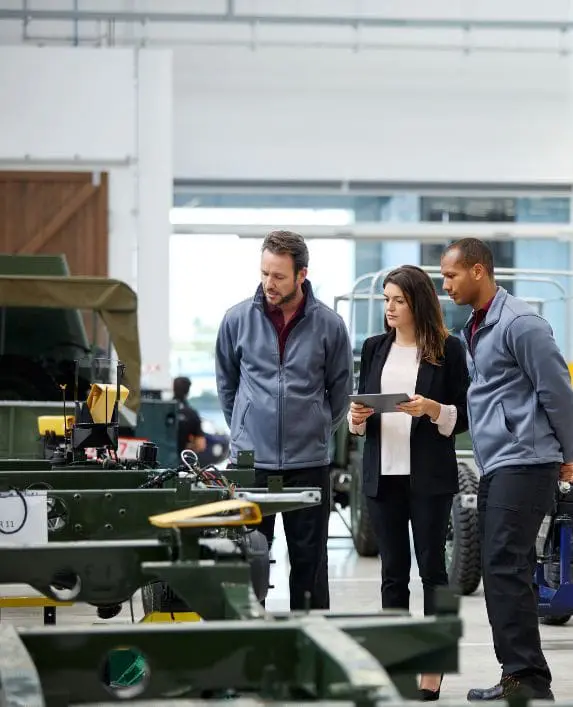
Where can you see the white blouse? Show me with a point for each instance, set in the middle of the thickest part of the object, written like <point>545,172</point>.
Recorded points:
<point>399,375</point>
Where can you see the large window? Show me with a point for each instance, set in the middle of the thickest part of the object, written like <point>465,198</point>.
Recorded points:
<point>209,274</point>
<point>456,316</point>
<point>467,209</point>
<point>457,208</point>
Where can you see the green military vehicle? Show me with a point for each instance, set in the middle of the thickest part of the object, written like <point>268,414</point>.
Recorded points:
<point>462,548</point>
<point>45,317</point>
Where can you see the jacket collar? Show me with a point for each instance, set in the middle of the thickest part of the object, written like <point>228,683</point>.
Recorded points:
<point>494,312</point>
<point>310,303</point>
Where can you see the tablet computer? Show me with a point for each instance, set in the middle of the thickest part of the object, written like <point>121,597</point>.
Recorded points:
<point>380,402</point>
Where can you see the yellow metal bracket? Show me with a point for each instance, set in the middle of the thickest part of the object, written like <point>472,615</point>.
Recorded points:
<point>166,617</point>
<point>13,602</point>
<point>236,512</point>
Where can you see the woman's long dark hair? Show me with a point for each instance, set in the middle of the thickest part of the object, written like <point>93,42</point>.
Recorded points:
<point>422,298</point>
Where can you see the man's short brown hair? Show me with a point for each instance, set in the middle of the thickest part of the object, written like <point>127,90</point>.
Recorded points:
<point>288,242</point>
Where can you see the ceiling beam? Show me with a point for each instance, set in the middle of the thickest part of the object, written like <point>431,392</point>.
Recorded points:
<point>427,232</point>
<point>231,17</point>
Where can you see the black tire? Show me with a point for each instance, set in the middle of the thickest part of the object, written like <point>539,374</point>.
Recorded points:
<point>361,528</point>
<point>259,559</point>
<point>463,562</point>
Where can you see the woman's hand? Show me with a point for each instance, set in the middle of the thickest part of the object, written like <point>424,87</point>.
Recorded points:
<point>418,406</point>
<point>359,413</point>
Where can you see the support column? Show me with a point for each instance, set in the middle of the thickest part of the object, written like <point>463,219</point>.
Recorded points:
<point>154,199</point>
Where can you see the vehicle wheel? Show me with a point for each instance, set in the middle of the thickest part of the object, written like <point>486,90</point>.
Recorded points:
<point>362,533</point>
<point>258,555</point>
<point>463,562</point>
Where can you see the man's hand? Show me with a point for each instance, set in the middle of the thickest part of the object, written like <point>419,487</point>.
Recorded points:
<point>359,413</point>
<point>566,472</point>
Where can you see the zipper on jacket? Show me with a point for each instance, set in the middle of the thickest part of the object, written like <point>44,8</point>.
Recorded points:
<point>471,342</point>
<point>281,396</point>
<point>281,383</point>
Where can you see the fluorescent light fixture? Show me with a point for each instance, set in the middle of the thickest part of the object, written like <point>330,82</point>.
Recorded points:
<point>256,217</point>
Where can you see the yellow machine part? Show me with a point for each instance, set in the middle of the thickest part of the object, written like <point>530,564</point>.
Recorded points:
<point>248,513</point>
<point>101,399</point>
<point>571,371</point>
<point>13,602</point>
<point>167,617</point>
<point>55,423</point>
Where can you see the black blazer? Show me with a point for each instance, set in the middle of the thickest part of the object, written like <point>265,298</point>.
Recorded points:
<point>433,466</point>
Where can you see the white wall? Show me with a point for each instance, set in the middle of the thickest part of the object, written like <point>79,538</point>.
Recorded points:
<point>335,114</point>
<point>244,109</point>
<point>107,109</point>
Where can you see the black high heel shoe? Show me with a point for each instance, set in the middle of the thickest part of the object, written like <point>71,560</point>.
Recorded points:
<point>426,695</point>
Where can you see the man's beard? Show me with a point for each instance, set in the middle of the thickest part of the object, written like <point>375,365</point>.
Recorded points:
<point>284,299</point>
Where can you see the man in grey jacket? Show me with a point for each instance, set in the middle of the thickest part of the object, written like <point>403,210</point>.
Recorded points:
<point>284,373</point>
<point>520,405</point>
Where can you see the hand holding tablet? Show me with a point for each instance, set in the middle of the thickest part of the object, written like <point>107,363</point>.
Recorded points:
<point>380,402</point>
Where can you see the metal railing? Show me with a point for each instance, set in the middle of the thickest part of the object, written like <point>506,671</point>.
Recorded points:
<point>546,277</point>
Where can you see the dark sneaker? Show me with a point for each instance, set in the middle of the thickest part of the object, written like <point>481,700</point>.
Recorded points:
<point>510,686</point>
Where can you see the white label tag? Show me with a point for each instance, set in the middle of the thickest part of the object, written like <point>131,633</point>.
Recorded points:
<point>23,518</point>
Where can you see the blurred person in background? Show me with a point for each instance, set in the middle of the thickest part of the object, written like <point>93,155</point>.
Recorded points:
<point>189,429</point>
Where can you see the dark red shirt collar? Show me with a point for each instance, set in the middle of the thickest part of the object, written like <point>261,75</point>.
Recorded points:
<point>275,314</point>
<point>480,314</point>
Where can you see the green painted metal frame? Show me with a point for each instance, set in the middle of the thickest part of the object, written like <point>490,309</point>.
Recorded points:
<point>363,660</point>
<point>119,513</point>
<point>123,513</point>
<point>99,478</point>
<point>109,504</point>
<point>210,575</point>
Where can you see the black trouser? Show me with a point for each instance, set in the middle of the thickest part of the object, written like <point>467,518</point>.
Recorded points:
<point>390,512</point>
<point>306,533</point>
<point>512,502</point>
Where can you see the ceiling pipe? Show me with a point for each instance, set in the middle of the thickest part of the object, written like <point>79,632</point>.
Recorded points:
<point>303,44</point>
<point>231,17</point>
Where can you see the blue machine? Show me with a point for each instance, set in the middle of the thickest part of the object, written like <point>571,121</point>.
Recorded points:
<point>553,571</point>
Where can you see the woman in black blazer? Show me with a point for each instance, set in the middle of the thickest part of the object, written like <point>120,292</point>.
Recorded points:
<point>409,468</point>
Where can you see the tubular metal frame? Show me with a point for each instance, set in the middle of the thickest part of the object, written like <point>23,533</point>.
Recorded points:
<point>502,275</point>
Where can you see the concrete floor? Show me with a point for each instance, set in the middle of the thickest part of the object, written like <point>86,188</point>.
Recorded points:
<point>355,584</point>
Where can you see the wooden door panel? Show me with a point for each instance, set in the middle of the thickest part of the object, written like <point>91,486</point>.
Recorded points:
<point>56,212</point>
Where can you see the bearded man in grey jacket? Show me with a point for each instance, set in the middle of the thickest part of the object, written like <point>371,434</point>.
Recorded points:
<point>284,371</point>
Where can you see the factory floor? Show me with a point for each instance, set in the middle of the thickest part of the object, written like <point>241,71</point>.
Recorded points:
<point>354,586</point>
